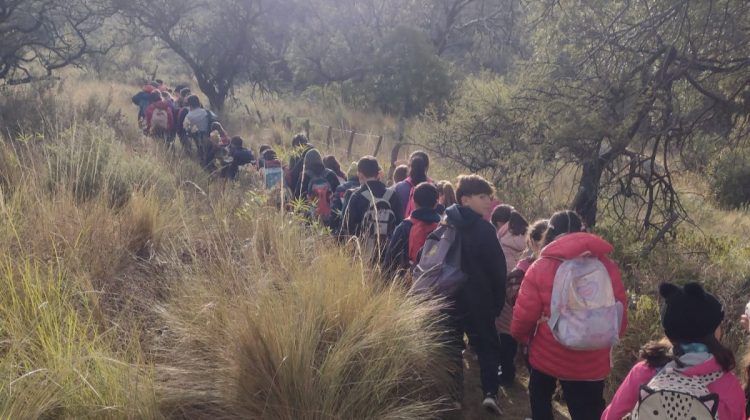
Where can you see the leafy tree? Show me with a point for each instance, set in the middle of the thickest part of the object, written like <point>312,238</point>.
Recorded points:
<point>221,41</point>
<point>38,37</point>
<point>477,34</point>
<point>620,89</point>
<point>486,131</point>
<point>408,76</point>
<point>337,41</point>
<point>642,79</point>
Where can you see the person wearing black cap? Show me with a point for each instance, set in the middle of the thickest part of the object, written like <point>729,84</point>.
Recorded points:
<point>692,360</point>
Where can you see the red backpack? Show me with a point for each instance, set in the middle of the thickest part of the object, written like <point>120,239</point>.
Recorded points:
<point>319,191</point>
<point>417,237</point>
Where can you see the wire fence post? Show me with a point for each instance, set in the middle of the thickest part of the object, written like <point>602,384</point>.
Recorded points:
<point>377,147</point>
<point>349,147</point>
<point>328,137</point>
<point>397,148</point>
<point>307,129</point>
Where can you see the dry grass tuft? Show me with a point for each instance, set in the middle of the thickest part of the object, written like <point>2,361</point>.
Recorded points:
<point>138,287</point>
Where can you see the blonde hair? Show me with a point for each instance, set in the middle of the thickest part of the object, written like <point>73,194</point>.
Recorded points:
<point>445,188</point>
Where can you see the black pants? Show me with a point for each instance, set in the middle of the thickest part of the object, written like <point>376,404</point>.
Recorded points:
<point>508,350</point>
<point>584,398</point>
<point>483,339</point>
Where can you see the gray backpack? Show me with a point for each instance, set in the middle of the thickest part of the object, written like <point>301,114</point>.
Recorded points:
<point>438,271</point>
<point>378,223</point>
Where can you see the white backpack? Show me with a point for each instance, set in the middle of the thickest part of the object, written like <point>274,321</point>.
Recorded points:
<point>159,121</point>
<point>584,314</point>
<point>671,395</point>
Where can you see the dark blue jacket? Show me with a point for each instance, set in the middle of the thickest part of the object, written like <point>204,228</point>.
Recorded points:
<point>358,206</point>
<point>397,250</point>
<point>142,99</point>
<point>483,261</point>
<point>294,173</point>
<point>339,201</point>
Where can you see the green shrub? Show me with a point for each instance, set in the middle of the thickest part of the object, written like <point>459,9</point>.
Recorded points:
<point>409,76</point>
<point>42,109</point>
<point>729,179</point>
<point>644,325</point>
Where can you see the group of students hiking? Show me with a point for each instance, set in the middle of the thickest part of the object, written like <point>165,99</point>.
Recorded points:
<point>547,289</point>
<point>165,114</point>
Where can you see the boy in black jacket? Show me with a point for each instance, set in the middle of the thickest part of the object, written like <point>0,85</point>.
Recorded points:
<point>372,212</point>
<point>369,176</point>
<point>480,301</point>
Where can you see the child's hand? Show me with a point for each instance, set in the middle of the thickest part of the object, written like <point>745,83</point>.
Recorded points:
<point>745,322</point>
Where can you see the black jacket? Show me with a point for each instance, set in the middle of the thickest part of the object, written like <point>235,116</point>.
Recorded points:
<point>397,250</point>
<point>296,164</point>
<point>357,206</point>
<point>330,176</point>
<point>483,261</point>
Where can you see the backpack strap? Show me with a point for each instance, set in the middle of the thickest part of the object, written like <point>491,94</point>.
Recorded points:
<point>373,200</point>
<point>388,194</point>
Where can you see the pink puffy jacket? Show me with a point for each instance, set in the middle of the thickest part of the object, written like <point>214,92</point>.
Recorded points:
<point>513,246</point>
<point>731,396</point>
<point>545,353</point>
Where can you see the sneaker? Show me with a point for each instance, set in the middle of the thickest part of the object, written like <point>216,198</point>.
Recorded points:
<point>490,404</point>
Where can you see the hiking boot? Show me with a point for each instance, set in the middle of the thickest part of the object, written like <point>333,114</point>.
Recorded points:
<point>490,404</point>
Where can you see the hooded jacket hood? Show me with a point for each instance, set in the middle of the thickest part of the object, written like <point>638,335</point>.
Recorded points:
<point>426,215</point>
<point>313,157</point>
<point>162,105</point>
<point>313,163</point>
<point>461,217</point>
<point>577,244</point>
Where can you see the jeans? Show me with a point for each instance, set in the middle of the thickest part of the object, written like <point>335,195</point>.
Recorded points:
<point>584,398</point>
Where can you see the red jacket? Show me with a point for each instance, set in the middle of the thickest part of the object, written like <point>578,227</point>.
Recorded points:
<point>420,229</point>
<point>533,303</point>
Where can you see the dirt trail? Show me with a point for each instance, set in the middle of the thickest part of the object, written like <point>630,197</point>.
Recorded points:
<point>514,401</point>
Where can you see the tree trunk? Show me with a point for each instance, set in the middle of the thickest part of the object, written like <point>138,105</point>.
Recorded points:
<point>585,201</point>
<point>216,97</point>
<point>216,100</point>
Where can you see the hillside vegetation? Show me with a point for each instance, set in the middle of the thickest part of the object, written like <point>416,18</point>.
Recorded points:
<point>138,286</point>
<point>135,286</point>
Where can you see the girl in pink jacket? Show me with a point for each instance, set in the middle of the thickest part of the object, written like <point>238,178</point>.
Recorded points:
<point>692,361</point>
<point>511,233</point>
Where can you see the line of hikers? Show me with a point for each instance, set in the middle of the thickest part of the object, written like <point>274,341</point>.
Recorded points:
<point>167,114</point>
<point>547,288</point>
